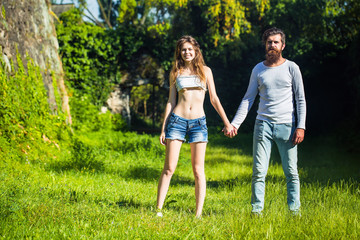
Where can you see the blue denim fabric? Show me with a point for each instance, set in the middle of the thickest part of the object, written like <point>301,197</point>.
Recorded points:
<point>177,128</point>
<point>265,134</point>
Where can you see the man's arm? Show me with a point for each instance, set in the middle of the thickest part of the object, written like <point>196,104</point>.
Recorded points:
<point>247,101</point>
<point>299,93</point>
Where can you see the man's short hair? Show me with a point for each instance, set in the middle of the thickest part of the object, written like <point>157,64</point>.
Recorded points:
<point>271,32</point>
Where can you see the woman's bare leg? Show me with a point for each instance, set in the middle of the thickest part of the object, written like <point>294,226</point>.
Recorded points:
<point>171,160</point>
<point>198,161</point>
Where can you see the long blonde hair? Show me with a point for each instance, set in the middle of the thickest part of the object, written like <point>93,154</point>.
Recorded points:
<point>197,63</point>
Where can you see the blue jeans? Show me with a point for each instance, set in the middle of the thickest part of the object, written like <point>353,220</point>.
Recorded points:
<point>265,134</point>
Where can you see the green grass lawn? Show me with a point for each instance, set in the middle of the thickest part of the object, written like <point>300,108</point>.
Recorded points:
<point>108,191</point>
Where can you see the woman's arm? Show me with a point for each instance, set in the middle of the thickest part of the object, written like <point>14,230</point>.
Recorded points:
<point>170,105</point>
<point>215,101</point>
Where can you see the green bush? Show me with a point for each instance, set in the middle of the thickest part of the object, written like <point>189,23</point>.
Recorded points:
<point>118,123</point>
<point>28,130</point>
<point>83,157</point>
<point>87,116</point>
<point>132,142</point>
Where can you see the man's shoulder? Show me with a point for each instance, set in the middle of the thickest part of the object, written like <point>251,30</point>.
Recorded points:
<point>258,66</point>
<point>291,64</point>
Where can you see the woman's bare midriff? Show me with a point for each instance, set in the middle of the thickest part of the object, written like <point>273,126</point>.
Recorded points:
<point>190,103</point>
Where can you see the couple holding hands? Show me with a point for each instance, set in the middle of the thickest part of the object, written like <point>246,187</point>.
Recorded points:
<point>280,118</point>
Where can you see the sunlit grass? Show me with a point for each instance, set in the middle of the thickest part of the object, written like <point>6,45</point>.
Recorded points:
<point>117,200</point>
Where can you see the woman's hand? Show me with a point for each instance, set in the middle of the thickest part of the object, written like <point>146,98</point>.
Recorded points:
<point>162,138</point>
<point>230,131</point>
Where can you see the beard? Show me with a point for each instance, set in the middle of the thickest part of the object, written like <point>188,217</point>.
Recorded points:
<point>273,55</point>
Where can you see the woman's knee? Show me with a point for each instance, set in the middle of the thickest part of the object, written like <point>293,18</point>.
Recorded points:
<point>169,171</point>
<point>199,173</point>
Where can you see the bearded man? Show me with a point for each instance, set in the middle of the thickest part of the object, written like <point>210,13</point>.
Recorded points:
<point>280,119</point>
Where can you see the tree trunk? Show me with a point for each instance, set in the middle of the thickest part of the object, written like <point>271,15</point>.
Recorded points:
<point>145,109</point>
<point>28,26</point>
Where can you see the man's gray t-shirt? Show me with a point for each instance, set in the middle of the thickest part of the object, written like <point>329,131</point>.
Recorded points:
<point>277,87</point>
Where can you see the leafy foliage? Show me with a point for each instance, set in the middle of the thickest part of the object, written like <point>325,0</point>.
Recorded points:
<point>321,44</point>
<point>91,56</point>
<point>84,52</point>
<point>141,94</point>
<point>28,129</point>
<point>320,35</point>
<point>89,118</point>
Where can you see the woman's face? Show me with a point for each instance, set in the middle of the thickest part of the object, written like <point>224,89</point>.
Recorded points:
<point>187,52</point>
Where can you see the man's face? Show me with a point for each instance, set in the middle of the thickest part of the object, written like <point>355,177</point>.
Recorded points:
<point>274,47</point>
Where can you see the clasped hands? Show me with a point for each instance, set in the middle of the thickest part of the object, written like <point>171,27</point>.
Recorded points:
<point>230,131</point>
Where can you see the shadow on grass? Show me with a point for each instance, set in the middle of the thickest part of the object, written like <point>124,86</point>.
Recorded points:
<point>86,166</point>
<point>143,173</point>
<point>122,202</point>
<point>152,174</point>
<point>127,203</point>
<point>83,157</point>
<point>242,142</point>
<point>212,161</point>
<point>322,159</point>
<point>171,203</point>
<point>326,161</point>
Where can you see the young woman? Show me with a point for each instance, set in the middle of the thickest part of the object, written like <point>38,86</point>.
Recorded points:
<point>189,79</point>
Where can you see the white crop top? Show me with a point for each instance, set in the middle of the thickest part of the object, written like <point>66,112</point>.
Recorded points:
<point>190,81</point>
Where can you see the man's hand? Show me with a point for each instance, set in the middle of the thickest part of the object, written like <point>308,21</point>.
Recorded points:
<point>230,131</point>
<point>298,136</point>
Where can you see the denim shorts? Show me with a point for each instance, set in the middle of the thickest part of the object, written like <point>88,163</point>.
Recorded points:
<point>177,128</point>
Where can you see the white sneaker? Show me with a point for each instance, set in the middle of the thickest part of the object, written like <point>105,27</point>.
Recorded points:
<point>159,214</point>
